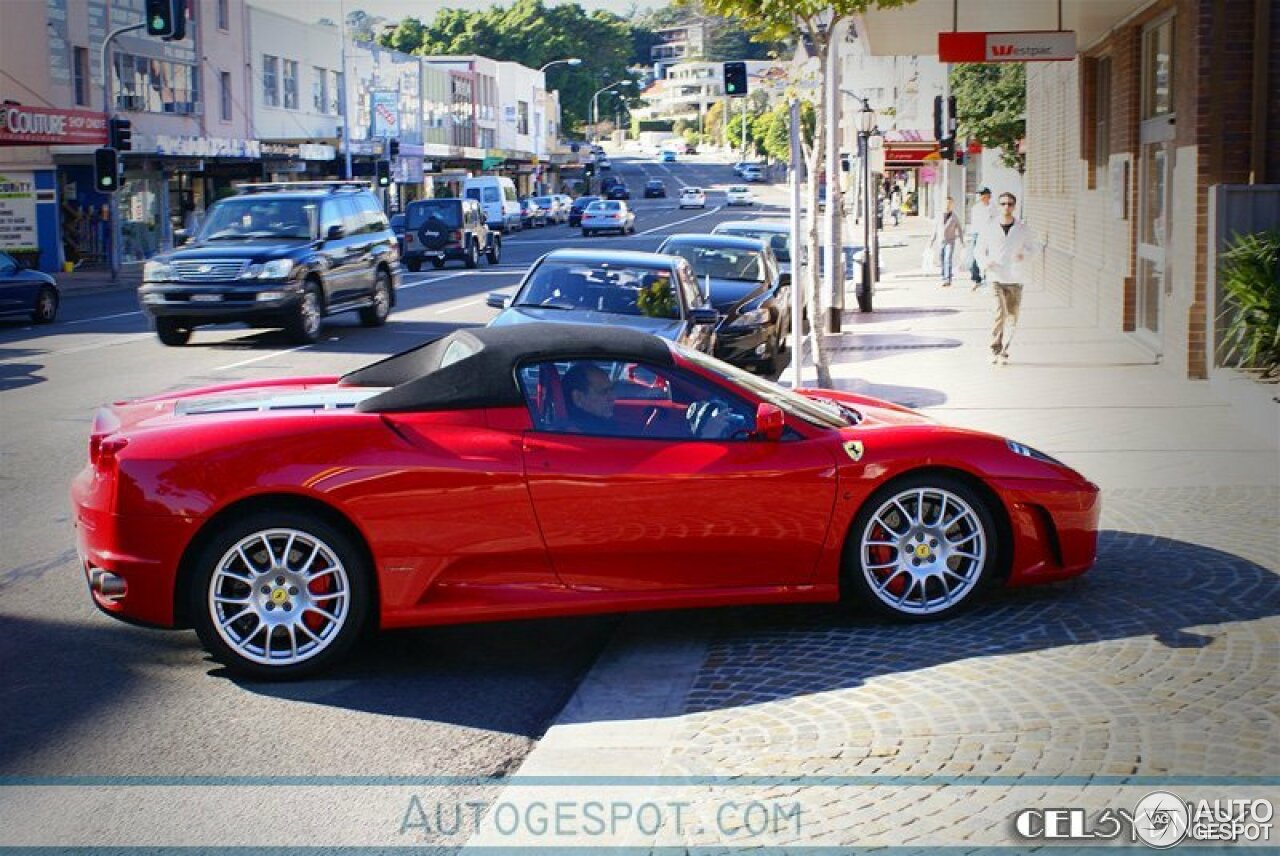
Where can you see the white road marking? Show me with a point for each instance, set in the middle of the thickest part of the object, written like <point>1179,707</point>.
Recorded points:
<point>417,282</point>
<point>707,213</point>
<point>449,309</point>
<point>104,317</point>
<point>261,358</point>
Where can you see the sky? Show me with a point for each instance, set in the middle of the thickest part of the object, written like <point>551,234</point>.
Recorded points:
<point>313,10</point>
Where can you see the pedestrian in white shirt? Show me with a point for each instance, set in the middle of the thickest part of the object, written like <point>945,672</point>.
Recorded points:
<point>981,213</point>
<point>1004,246</point>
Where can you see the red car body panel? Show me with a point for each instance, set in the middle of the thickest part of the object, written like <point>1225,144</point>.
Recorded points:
<point>471,515</point>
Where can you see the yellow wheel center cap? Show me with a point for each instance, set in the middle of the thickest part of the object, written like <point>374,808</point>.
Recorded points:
<point>279,596</point>
<point>922,551</point>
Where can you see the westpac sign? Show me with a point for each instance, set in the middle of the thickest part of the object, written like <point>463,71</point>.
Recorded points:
<point>1034,46</point>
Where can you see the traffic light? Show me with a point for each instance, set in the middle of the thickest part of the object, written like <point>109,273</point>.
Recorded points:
<point>589,169</point>
<point>944,123</point>
<point>106,170</point>
<point>947,148</point>
<point>393,149</point>
<point>938,132</point>
<point>167,19</point>
<point>120,134</point>
<point>959,157</point>
<point>384,173</point>
<point>735,78</point>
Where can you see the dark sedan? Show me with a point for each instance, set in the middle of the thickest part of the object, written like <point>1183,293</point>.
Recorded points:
<point>579,205</point>
<point>655,189</point>
<point>643,291</point>
<point>617,190</point>
<point>26,292</point>
<point>747,287</point>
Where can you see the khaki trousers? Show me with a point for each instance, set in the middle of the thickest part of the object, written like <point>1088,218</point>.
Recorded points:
<point>1008,302</point>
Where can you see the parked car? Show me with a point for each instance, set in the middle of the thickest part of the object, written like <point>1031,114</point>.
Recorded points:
<point>693,197</point>
<point>745,284</point>
<point>655,189</point>
<point>739,167</point>
<point>644,291</point>
<point>753,172</point>
<point>497,197</point>
<point>618,190</point>
<point>397,226</point>
<point>739,194</point>
<point>186,517</point>
<point>579,205</point>
<point>278,255</point>
<point>27,292</point>
<point>776,232</point>
<point>449,229</point>
<point>602,162</point>
<point>667,156</point>
<point>558,205</point>
<point>532,213</point>
<point>608,215</point>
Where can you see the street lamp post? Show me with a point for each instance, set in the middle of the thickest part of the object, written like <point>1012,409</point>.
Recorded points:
<point>870,262</point>
<point>595,107</point>
<point>538,131</point>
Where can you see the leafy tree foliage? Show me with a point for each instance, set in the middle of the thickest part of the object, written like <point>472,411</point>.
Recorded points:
<point>991,106</point>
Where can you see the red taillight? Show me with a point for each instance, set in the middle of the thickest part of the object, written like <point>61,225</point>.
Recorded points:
<point>408,238</point>
<point>455,236</point>
<point>103,449</point>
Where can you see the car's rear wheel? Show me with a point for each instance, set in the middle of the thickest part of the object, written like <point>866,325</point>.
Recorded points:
<point>375,314</point>
<point>304,326</point>
<point>46,306</point>
<point>472,257</point>
<point>415,265</point>
<point>279,595</point>
<point>921,547</point>
<point>494,255</point>
<point>172,333</point>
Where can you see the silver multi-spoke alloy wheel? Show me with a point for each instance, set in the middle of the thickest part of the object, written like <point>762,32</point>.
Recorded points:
<point>279,597</point>
<point>924,549</point>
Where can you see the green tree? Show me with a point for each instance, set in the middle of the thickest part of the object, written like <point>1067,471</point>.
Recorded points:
<point>991,106</point>
<point>813,22</point>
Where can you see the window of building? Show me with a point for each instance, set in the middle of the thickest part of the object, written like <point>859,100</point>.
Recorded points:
<point>80,75</point>
<point>290,84</point>
<point>522,117</point>
<point>1157,65</point>
<point>337,97</point>
<point>1102,117</point>
<point>320,90</point>
<point>224,15</point>
<point>148,85</point>
<point>270,80</point>
<point>224,95</point>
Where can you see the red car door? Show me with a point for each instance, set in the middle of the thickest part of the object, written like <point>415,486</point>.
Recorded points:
<point>638,514</point>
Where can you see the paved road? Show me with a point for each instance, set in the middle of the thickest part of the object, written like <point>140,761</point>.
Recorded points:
<point>83,694</point>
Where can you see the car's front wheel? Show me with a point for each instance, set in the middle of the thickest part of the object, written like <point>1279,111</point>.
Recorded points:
<point>921,547</point>
<point>494,253</point>
<point>279,595</point>
<point>304,326</point>
<point>46,308</point>
<point>375,314</point>
<point>472,257</point>
<point>170,332</point>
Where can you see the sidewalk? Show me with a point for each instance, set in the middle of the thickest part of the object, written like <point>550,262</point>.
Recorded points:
<point>99,279</point>
<point>804,726</point>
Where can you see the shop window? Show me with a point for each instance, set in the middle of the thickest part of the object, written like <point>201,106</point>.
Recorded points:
<point>148,85</point>
<point>1157,70</point>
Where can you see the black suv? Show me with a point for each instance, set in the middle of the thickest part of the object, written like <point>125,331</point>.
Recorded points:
<point>617,190</point>
<point>278,255</point>
<point>443,229</point>
<point>654,188</point>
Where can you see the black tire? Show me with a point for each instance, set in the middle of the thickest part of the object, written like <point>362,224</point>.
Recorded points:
<point>920,551</point>
<point>494,254</point>
<point>172,333</point>
<point>587,233</point>
<point>414,266</point>
<point>345,588</point>
<point>304,326</point>
<point>437,262</point>
<point>375,315</point>
<point>472,257</point>
<point>46,306</point>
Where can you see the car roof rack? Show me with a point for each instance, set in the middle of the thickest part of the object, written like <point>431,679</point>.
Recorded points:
<point>332,186</point>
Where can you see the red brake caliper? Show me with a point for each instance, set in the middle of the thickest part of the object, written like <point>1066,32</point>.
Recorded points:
<point>882,555</point>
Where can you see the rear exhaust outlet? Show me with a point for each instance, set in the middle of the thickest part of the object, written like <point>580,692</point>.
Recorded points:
<point>107,585</point>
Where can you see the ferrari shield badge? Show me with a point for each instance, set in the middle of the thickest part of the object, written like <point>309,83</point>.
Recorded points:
<point>854,449</point>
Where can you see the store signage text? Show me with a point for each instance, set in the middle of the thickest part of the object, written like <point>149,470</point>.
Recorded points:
<point>1035,46</point>
<point>35,126</point>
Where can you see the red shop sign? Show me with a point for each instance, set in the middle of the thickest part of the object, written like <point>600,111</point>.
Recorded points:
<point>42,126</point>
<point>1041,46</point>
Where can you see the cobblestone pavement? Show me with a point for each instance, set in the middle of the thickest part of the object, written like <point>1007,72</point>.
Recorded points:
<point>1161,662</point>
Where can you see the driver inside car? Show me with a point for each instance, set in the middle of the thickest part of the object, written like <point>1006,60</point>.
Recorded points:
<point>589,399</point>
<point>714,419</point>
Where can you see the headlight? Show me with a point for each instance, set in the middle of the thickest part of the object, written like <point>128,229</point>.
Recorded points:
<point>252,272</point>
<point>1028,452</point>
<point>157,272</point>
<point>276,269</point>
<point>753,318</point>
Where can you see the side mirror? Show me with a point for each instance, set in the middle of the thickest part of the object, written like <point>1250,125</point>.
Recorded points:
<point>498,300</point>
<point>335,233</point>
<point>770,420</point>
<point>704,316</point>
<point>784,280</point>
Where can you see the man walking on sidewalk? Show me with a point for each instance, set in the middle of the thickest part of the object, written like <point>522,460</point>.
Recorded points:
<point>1003,248</point>
<point>981,213</point>
<point>946,230</point>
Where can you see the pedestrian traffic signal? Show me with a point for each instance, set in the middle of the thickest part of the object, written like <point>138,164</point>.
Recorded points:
<point>120,134</point>
<point>167,19</point>
<point>384,173</point>
<point>735,78</point>
<point>959,157</point>
<point>106,170</point>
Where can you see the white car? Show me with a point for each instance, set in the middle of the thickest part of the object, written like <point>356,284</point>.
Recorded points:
<point>753,172</point>
<point>739,194</point>
<point>608,215</point>
<point>693,197</point>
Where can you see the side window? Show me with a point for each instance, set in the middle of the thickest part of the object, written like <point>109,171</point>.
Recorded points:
<point>509,191</point>
<point>376,221</point>
<point>689,286</point>
<point>352,219</point>
<point>473,193</point>
<point>616,398</point>
<point>331,216</point>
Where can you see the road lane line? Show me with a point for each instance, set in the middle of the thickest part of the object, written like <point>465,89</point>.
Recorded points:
<point>449,309</point>
<point>261,358</point>
<point>707,213</point>
<point>104,317</point>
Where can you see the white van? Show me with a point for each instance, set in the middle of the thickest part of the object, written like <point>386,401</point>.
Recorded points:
<point>497,196</point>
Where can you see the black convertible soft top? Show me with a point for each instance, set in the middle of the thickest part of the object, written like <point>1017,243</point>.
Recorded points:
<point>476,367</point>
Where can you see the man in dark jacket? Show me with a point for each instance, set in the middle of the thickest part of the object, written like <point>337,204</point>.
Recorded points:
<point>589,398</point>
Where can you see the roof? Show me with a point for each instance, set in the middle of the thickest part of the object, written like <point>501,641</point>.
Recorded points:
<point>757,225</point>
<point>612,257</point>
<point>482,363</point>
<point>740,242</point>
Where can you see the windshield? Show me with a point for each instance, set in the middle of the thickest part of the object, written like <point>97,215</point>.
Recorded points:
<point>779,242</point>
<point>604,207</point>
<point>244,219</point>
<point>824,414</point>
<point>621,289</point>
<point>449,213</point>
<point>731,263</point>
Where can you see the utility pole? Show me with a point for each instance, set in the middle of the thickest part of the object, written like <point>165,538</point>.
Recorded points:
<point>833,274</point>
<point>797,303</point>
